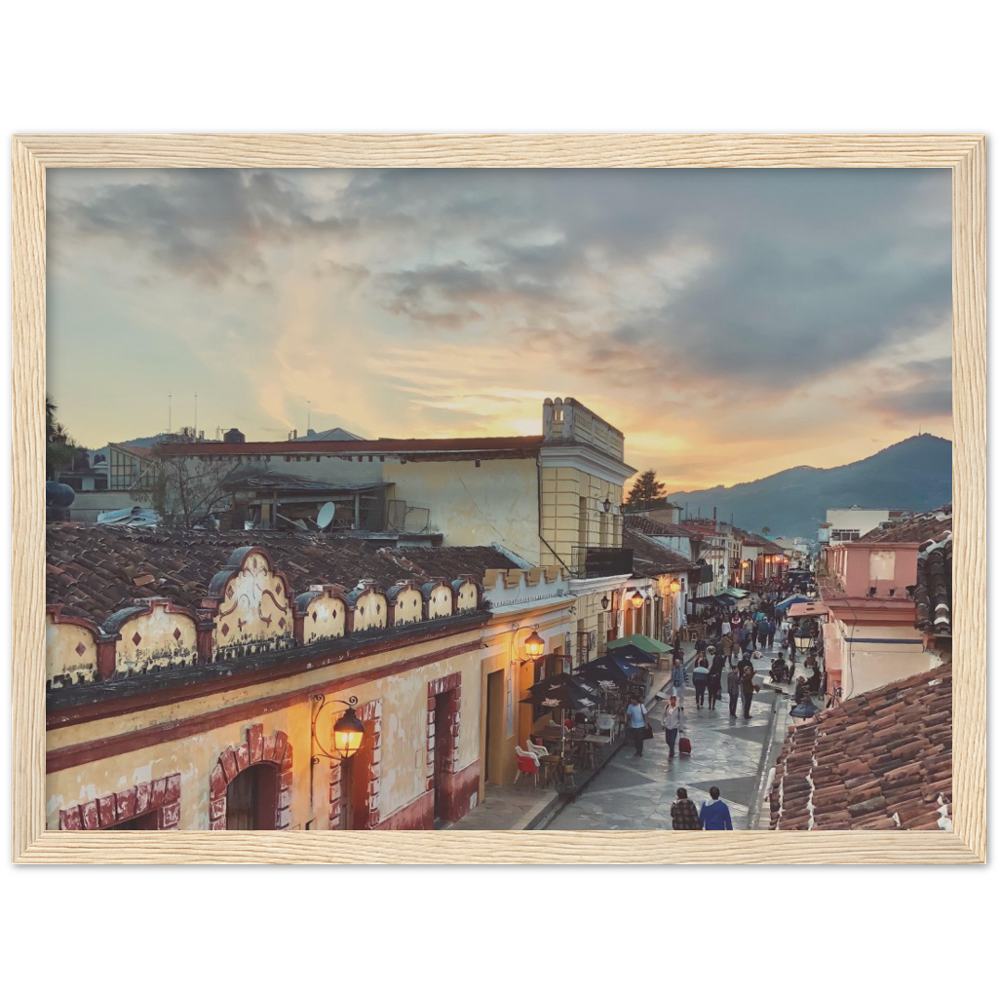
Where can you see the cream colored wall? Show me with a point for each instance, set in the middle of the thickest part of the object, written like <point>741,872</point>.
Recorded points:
<point>158,647</point>
<point>403,750</point>
<point>409,606</point>
<point>561,493</point>
<point>63,663</point>
<point>497,502</point>
<point>255,606</point>
<point>371,611</point>
<point>468,597</point>
<point>326,618</point>
<point>440,602</point>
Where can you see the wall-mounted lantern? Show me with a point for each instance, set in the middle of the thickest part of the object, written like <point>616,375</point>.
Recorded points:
<point>348,730</point>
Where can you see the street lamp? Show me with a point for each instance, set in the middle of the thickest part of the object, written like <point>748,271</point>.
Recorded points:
<point>675,586</point>
<point>607,505</point>
<point>605,602</point>
<point>348,730</point>
<point>803,642</point>
<point>637,600</point>
<point>534,645</point>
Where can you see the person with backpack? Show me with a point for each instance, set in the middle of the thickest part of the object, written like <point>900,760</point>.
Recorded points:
<point>714,813</point>
<point>683,813</point>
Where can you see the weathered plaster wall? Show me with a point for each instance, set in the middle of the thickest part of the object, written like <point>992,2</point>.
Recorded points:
<point>255,608</point>
<point>562,490</point>
<point>497,502</point>
<point>325,618</point>
<point>409,606</point>
<point>70,654</point>
<point>155,641</point>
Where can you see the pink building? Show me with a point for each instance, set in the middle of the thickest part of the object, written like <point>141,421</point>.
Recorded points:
<point>869,638</point>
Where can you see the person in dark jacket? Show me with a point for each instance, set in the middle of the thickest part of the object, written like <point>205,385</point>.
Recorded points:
<point>715,680</point>
<point>683,812</point>
<point>733,687</point>
<point>699,675</point>
<point>715,813</point>
<point>746,686</point>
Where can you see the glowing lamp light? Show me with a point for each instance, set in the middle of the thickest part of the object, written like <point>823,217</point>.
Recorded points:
<point>348,735</point>
<point>348,730</point>
<point>534,645</point>
<point>638,600</point>
<point>675,586</point>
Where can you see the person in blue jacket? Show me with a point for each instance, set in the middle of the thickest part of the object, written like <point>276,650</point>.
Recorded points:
<point>715,813</point>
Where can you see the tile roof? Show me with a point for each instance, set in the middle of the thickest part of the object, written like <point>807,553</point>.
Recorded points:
<point>919,528</point>
<point>381,446</point>
<point>94,570</point>
<point>932,594</point>
<point>648,526</point>
<point>880,761</point>
<point>649,558</point>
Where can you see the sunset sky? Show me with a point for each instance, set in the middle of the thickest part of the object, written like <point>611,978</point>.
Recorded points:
<point>732,323</point>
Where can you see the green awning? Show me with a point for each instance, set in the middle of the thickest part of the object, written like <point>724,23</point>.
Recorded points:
<point>735,592</point>
<point>642,641</point>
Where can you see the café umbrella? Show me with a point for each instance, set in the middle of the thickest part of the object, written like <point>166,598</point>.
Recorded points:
<point>564,691</point>
<point>608,668</point>
<point>634,656</point>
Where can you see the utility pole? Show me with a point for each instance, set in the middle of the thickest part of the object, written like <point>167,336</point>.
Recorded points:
<point>170,412</point>
<point>196,415</point>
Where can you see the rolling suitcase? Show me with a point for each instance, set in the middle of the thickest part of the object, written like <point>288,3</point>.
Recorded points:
<point>684,745</point>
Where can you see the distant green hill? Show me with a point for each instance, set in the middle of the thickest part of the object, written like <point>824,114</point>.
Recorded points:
<point>914,474</point>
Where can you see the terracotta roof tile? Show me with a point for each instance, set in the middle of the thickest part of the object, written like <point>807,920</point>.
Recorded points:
<point>94,570</point>
<point>650,558</point>
<point>919,528</point>
<point>879,761</point>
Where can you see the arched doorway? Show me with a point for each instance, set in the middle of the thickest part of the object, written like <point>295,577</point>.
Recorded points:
<point>252,799</point>
<point>265,797</point>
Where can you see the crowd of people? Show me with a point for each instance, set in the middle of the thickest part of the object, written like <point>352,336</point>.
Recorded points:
<point>723,666</point>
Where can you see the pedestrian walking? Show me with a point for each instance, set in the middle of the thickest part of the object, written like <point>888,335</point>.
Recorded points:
<point>679,679</point>
<point>701,645</point>
<point>714,813</point>
<point>746,685</point>
<point>727,647</point>
<point>770,633</point>
<point>715,680</point>
<point>683,812</point>
<point>733,687</point>
<point>635,716</point>
<point>671,723</point>
<point>754,632</point>
<point>699,677</point>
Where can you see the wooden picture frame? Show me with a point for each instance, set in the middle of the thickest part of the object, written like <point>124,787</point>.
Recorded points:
<point>964,154</point>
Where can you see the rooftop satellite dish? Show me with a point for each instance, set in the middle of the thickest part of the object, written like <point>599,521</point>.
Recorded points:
<point>325,516</point>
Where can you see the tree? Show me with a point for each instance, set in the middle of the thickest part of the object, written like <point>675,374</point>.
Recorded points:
<point>765,531</point>
<point>183,489</point>
<point>646,487</point>
<point>60,449</point>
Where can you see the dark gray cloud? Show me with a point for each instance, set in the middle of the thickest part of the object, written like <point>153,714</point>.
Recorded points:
<point>713,277</point>
<point>209,225</point>
<point>924,391</point>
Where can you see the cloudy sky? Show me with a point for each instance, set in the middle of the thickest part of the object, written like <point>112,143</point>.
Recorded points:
<point>732,323</point>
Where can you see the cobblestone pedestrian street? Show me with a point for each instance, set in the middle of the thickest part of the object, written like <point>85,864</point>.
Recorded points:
<point>635,793</point>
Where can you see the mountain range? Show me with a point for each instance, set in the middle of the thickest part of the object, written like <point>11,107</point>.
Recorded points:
<point>914,474</point>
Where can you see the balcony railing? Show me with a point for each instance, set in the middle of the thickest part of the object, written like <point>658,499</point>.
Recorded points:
<point>590,561</point>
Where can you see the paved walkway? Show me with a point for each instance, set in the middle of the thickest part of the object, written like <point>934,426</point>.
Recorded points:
<point>636,793</point>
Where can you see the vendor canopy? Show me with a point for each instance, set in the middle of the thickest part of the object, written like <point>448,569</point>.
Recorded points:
<point>717,601</point>
<point>808,609</point>
<point>632,655</point>
<point>734,592</point>
<point>789,601</point>
<point>642,642</point>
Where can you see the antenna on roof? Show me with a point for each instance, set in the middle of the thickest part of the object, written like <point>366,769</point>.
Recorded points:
<point>308,415</point>
<point>170,412</point>
<point>196,414</point>
<point>325,515</point>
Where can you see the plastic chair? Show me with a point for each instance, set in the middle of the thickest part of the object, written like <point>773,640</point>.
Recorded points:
<point>527,763</point>
<point>606,721</point>
<point>538,751</point>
